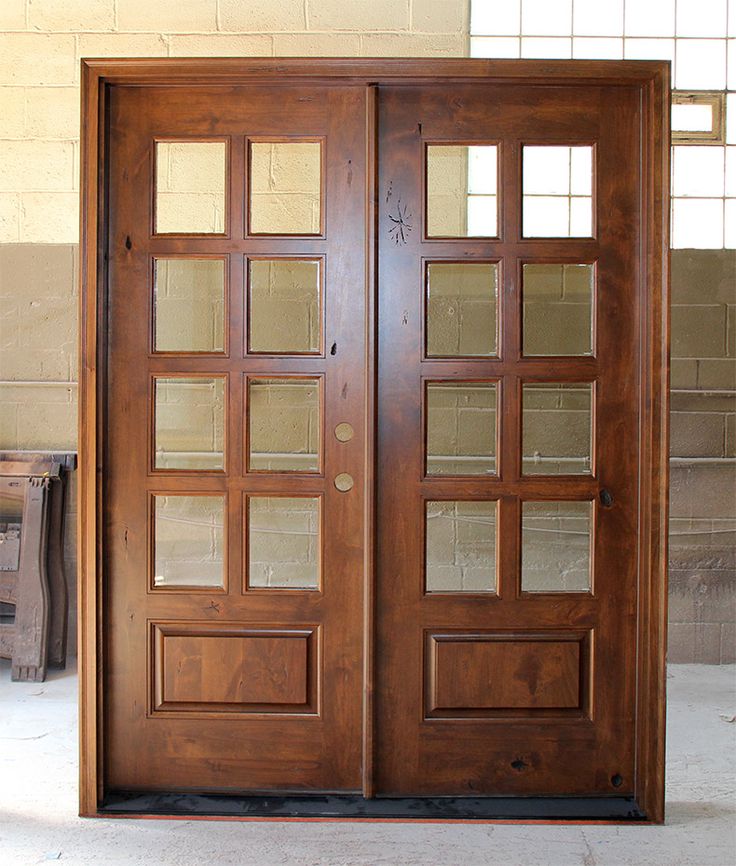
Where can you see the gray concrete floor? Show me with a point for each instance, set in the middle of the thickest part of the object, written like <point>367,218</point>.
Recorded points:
<point>38,792</point>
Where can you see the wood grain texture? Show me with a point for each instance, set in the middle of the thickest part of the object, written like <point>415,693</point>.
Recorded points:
<point>477,671</point>
<point>210,669</point>
<point>196,688</point>
<point>641,108</point>
<point>481,755</point>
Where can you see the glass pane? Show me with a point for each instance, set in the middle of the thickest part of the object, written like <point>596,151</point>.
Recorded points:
<point>558,191</point>
<point>284,306</point>
<point>462,191</point>
<point>692,118</point>
<point>556,428</point>
<point>284,424</point>
<point>189,305</point>
<point>189,541</point>
<point>190,419</point>
<point>285,188</point>
<point>558,306</point>
<point>461,428</point>
<point>190,187</point>
<point>461,308</point>
<point>283,542</point>
<point>461,546</point>
<point>555,546</point>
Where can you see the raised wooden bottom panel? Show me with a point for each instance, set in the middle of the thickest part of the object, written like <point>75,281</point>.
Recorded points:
<point>201,667</point>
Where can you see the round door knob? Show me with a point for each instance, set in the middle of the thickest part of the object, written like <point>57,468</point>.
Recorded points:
<point>344,432</point>
<point>344,482</point>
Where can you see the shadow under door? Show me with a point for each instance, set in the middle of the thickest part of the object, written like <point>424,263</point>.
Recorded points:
<point>382,407</point>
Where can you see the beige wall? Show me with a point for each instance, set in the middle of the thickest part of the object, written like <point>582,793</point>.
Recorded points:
<point>41,42</point>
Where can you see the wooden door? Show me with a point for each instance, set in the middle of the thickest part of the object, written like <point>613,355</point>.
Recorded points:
<point>233,500</point>
<point>373,435</point>
<point>508,433</point>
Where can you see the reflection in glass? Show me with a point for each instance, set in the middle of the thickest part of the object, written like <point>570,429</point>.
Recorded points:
<point>284,305</point>
<point>461,428</point>
<point>190,187</point>
<point>189,305</point>
<point>285,187</point>
<point>556,428</point>
<point>555,546</point>
<point>189,541</point>
<point>284,424</point>
<point>558,191</point>
<point>190,417</point>
<point>460,546</point>
<point>558,306</point>
<point>461,308</point>
<point>283,542</point>
<point>462,193</point>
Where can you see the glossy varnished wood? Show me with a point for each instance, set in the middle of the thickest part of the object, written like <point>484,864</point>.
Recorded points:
<point>550,753</point>
<point>644,614</point>
<point>178,683</point>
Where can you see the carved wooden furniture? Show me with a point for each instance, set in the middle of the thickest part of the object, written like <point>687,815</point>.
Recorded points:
<point>33,589</point>
<point>295,582</point>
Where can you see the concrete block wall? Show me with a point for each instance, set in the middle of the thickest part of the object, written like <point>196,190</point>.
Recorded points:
<point>703,450</point>
<point>461,546</point>
<point>283,542</point>
<point>190,422</point>
<point>40,47</point>
<point>41,43</point>
<point>189,541</point>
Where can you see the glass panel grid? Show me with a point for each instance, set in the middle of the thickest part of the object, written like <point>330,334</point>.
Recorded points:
<point>188,541</point>
<point>462,190</point>
<point>461,309</point>
<point>189,415</point>
<point>283,541</point>
<point>557,428</point>
<point>557,309</point>
<point>190,187</point>
<point>461,428</point>
<point>555,546</point>
<point>284,306</point>
<point>284,424</point>
<point>285,183</point>
<point>460,546</point>
<point>189,305</point>
<point>557,191</point>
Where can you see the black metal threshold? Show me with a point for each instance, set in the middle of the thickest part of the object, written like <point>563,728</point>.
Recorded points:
<point>353,806</point>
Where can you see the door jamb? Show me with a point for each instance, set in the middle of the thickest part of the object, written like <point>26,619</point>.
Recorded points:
<point>653,80</point>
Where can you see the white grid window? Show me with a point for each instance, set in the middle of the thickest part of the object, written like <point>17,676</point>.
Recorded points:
<point>557,191</point>
<point>697,36</point>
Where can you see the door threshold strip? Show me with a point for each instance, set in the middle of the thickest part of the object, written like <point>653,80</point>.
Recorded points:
<point>129,803</point>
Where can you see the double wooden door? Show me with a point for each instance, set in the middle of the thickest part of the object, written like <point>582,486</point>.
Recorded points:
<point>373,507</point>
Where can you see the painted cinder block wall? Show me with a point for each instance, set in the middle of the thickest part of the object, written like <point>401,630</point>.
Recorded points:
<point>41,43</point>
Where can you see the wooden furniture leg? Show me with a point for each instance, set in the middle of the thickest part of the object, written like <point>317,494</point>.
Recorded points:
<point>30,642</point>
<point>59,600</point>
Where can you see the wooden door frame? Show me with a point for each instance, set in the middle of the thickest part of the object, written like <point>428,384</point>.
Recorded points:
<point>652,80</point>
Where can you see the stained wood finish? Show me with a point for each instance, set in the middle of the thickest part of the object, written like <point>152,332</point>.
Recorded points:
<point>372,620</point>
<point>478,671</point>
<point>268,670</point>
<point>518,752</point>
<point>252,670</point>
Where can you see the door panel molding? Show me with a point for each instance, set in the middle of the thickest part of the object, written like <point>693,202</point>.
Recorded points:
<point>650,80</point>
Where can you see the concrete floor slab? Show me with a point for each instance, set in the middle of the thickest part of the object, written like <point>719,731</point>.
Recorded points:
<point>38,804</point>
